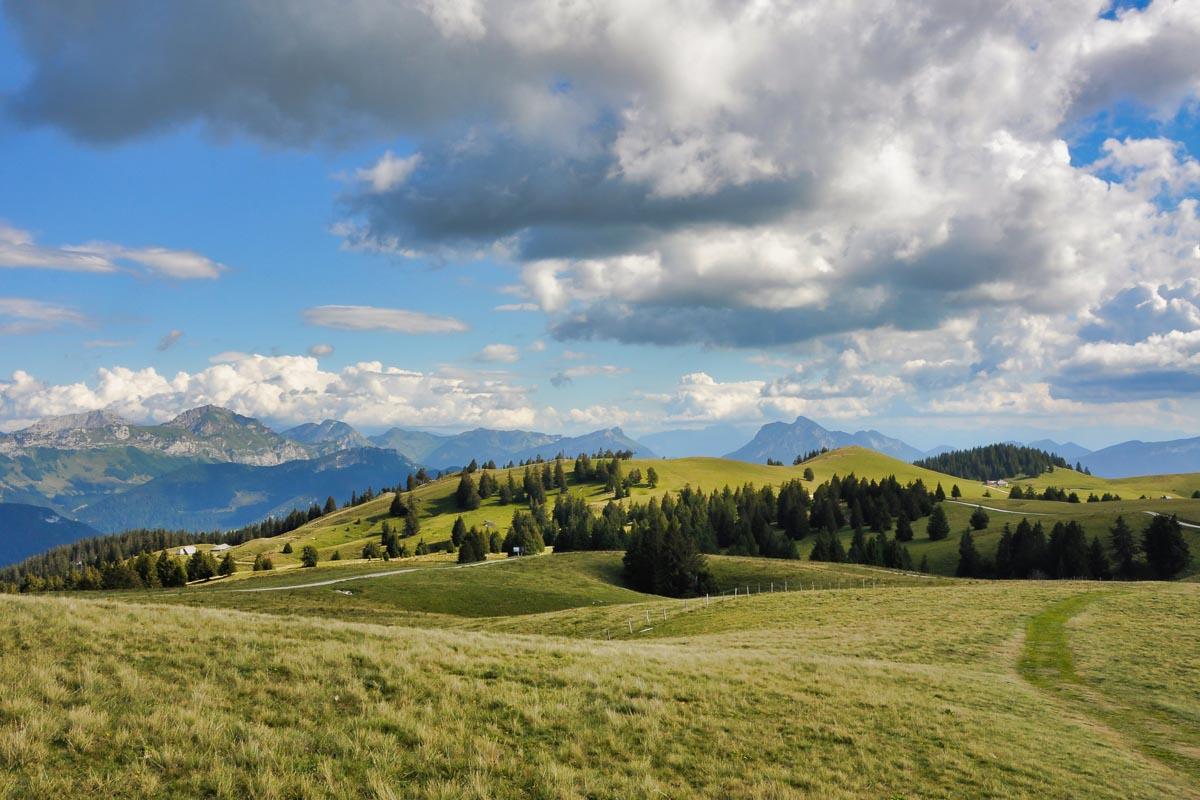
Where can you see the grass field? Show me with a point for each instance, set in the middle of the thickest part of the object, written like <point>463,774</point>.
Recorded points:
<point>945,689</point>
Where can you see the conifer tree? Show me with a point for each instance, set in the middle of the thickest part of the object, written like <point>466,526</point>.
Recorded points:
<point>466,495</point>
<point>938,527</point>
<point>979,518</point>
<point>309,556</point>
<point>1125,548</point>
<point>970,565</point>
<point>1167,552</point>
<point>228,565</point>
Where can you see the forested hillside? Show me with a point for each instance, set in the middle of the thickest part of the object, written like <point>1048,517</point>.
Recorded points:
<point>993,462</point>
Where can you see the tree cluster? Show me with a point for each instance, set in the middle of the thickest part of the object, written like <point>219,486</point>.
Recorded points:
<point>993,462</point>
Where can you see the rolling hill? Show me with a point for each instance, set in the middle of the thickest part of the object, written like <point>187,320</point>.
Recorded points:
<point>542,677</point>
<point>27,530</point>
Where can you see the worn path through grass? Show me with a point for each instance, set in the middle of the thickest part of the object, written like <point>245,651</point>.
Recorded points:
<point>1048,663</point>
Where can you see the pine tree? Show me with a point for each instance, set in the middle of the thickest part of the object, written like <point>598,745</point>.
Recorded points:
<point>1098,560</point>
<point>201,566</point>
<point>1124,548</point>
<point>397,508</point>
<point>955,492</point>
<point>330,505</point>
<point>560,475</point>
<point>939,493</point>
<point>228,565</point>
<point>979,518</point>
<point>309,556</point>
<point>412,525</point>
<point>458,532</point>
<point>466,495</point>
<point>287,548</point>
<point>969,562</point>
<point>904,531</point>
<point>1167,553</point>
<point>938,527</point>
<point>808,474</point>
<point>651,477</point>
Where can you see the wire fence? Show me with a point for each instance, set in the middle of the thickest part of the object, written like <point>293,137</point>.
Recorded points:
<point>646,618</point>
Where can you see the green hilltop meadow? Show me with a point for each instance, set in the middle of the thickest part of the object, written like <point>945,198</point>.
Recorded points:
<point>554,676</point>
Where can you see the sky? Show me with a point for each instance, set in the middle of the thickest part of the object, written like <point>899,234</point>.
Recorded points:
<point>951,220</point>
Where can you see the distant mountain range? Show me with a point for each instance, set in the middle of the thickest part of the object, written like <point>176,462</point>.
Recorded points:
<point>711,440</point>
<point>484,444</point>
<point>27,530</point>
<point>210,467</point>
<point>220,496</point>
<point>1145,458</point>
<point>783,442</point>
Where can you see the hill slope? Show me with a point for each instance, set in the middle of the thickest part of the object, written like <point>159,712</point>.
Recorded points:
<point>886,692</point>
<point>27,530</point>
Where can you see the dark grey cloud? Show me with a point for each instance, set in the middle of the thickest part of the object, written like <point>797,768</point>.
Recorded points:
<point>293,71</point>
<point>558,206</point>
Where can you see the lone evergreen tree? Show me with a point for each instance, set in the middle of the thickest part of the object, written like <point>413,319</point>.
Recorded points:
<point>955,492</point>
<point>228,565</point>
<point>458,532</point>
<point>938,527</point>
<point>287,548</point>
<point>309,556</point>
<point>979,518</point>
<point>809,475</point>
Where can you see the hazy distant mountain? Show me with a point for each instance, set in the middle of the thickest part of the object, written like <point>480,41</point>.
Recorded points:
<point>415,445</point>
<point>69,479</point>
<point>27,530</point>
<point>594,442</point>
<point>486,444</point>
<point>783,442</point>
<point>1068,450</point>
<point>328,436</point>
<point>1145,458</point>
<point>713,440</point>
<point>937,451</point>
<point>209,496</point>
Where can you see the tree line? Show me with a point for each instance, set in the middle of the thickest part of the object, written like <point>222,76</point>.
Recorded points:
<point>993,462</point>
<point>1160,552</point>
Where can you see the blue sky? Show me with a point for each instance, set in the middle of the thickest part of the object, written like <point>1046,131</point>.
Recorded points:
<point>944,258</point>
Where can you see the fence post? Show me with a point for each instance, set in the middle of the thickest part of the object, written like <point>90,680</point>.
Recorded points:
<point>706,601</point>
<point>630,625</point>
<point>647,617</point>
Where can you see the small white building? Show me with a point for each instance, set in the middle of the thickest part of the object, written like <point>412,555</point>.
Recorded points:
<point>221,548</point>
<point>186,550</point>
